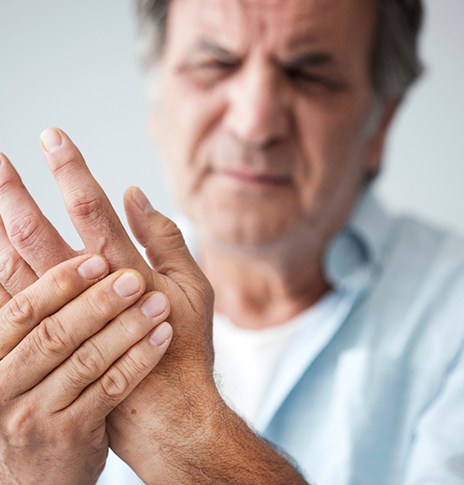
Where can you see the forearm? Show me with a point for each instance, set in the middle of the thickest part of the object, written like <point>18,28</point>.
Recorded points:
<point>229,453</point>
<point>214,447</point>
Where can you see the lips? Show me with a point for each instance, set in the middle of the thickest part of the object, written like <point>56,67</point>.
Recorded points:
<point>253,178</point>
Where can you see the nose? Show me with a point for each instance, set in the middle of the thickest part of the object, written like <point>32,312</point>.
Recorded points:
<point>258,107</point>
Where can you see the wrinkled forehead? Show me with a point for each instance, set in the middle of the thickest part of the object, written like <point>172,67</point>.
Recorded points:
<point>281,25</point>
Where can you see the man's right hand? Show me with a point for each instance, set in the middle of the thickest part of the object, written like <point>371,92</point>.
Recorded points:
<point>73,346</point>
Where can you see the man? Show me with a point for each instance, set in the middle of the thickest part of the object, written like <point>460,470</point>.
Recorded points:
<point>337,333</point>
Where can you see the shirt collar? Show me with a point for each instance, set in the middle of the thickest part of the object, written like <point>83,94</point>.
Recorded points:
<point>356,250</point>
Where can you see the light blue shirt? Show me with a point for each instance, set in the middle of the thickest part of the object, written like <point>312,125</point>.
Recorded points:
<point>377,396</point>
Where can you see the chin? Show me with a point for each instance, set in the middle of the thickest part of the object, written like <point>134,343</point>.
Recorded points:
<point>244,221</point>
<point>240,233</point>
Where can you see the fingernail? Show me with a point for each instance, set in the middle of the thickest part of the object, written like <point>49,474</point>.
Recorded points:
<point>92,268</point>
<point>51,140</point>
<point>161,334</point>
<point>154,305</point>
<point>127,284</point>
<point>141,200</point>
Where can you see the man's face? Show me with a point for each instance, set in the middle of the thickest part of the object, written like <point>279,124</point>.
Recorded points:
<point>262,118</point>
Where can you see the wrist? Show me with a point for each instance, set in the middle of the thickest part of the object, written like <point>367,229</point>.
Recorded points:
<point>185,450</point>
<point>208,444</point>
<point>222,450</point>
<point>190,436</point>
<point>158,438</point>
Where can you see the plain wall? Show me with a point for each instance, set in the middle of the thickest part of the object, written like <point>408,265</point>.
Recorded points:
<point>70,63</point>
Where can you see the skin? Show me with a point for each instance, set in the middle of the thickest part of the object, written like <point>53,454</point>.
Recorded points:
<point>46,428</point>
<point>262,119</point>
<point>268,159</point>
<point>174,427</point>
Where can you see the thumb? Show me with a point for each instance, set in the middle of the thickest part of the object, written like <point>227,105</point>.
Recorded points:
<point>164,244</point>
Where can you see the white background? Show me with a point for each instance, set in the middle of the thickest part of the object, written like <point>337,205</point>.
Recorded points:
<point>70,63</point>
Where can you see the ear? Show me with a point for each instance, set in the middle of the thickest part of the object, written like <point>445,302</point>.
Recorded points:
<point>379,135</point>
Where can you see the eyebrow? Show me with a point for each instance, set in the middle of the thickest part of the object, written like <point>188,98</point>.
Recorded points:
<point>215,49</point>
<point>305,60</point>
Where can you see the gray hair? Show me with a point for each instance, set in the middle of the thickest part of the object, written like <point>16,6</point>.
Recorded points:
<point>395,63</point>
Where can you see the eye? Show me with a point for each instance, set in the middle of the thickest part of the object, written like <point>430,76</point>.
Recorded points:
<point>306,79</point>
<point>301,75</point>
<point>217,65</point>
<point>210,71</point>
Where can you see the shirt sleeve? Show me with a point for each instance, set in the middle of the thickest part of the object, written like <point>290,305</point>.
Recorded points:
<point>437,454</point>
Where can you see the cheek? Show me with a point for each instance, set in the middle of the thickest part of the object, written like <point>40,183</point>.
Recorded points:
<point>190,119</point>
<point>191,114</point>
<point>332,148</point>
<point>334,132</point>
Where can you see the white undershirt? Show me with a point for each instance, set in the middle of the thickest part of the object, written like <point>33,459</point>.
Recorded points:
<point>246,360</point>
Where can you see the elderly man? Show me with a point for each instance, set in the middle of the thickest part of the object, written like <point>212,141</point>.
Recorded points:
<point>338,331</point>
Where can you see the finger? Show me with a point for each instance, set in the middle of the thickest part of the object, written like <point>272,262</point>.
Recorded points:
<point>98,353</point>
<point>46,296</point>
<point>87,204</point>
<point>15,273</point>
<point>5,297</point>
<point>163,241</point>
<point>60,334</point>
<point>30,232</point>
<point>124,376</point>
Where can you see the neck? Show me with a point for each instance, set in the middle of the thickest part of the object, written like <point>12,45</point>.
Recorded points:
<point>263,289</point>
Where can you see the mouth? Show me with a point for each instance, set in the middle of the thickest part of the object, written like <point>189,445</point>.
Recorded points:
<point>248,178</point>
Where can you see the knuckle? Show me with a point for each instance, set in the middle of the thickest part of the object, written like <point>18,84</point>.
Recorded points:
<point>20,423</point>
<point>25,231</point>
<point>168,231</point>
<point>130,326</point>
<point>168,226</point>
<point>60,281</point>
<point>11,266</point>
<point>51,337</point>
<point>20,311</point>
<point>84,206</point>
<point>87,362</point>
<point>68,161</point>
<point>99,303</point>
<point>7,183</point>
<point>115,384</point>
<point>171,233</point>
<point>8,257</point>
<point>135,363</point>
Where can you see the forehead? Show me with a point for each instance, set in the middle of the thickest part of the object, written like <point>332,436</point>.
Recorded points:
<point>275,24</point>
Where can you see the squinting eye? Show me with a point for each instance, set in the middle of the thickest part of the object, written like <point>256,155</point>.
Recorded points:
<point>217,65</point>
<point>298,75</point>
<point>207,73</point>
<point>304,78</point>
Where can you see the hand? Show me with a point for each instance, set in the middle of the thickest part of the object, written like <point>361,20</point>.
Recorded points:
<point>64,368</point>
<point>174,427</point>
<point>182,393</point>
